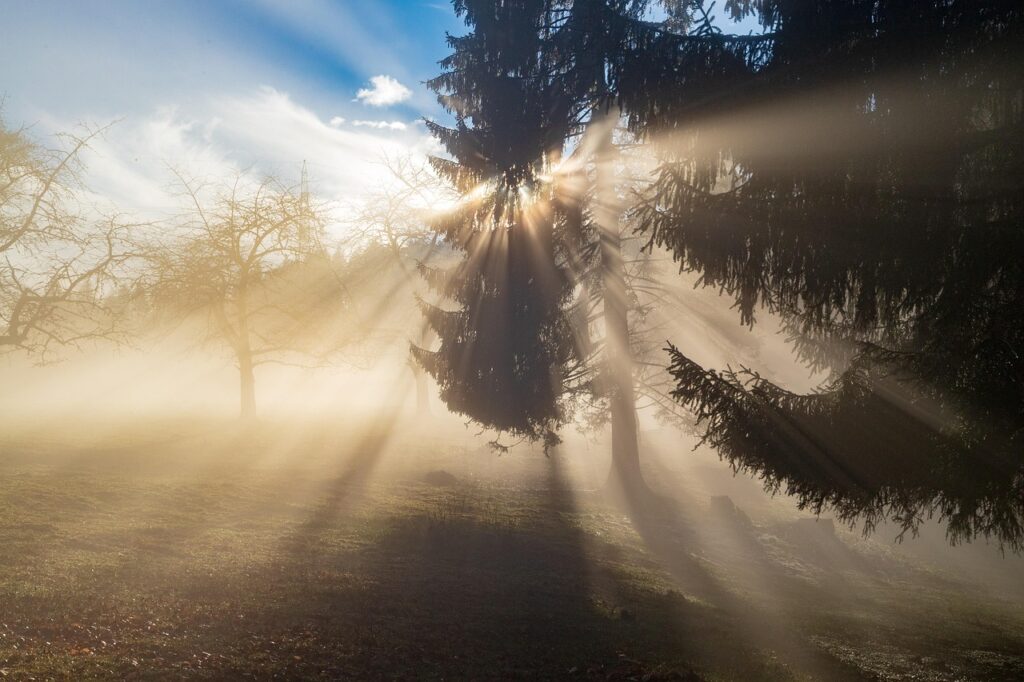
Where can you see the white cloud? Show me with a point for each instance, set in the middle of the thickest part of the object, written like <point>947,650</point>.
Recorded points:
<point>380,125</point>
<point>385,91</point>
<point>337,121</point>
<point>265,131</point>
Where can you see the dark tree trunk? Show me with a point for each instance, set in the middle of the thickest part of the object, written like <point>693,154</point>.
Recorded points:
<point>625,475</point>
<point>243,349</point>
<point>247,378</point>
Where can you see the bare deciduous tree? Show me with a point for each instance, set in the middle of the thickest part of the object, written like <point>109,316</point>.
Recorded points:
<point>229,265</point>
<point>59,256</point>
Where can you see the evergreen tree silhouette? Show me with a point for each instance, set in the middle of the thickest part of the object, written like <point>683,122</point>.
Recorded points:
<point>859,170</point>
<point>505,345</point>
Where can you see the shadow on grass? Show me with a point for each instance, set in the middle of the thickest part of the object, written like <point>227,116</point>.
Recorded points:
<point>418,582</point>
<point>372,579</point>
<point>687,545</point>
<point>463,590</point>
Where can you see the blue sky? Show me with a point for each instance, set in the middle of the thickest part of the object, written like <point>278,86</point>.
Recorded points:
<point>212,87</point>
<point>218,86</point>
<point>104,58</point>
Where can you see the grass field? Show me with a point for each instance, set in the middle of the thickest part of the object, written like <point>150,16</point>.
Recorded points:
<point>170,551</point>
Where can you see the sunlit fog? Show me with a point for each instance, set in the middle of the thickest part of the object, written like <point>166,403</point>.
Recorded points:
<point>512,339</point>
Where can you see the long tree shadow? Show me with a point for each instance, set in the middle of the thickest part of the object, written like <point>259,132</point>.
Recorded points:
<point>417,580</point>
<point>473,584</point>
<point>347,487</point>
<point>671,533</point>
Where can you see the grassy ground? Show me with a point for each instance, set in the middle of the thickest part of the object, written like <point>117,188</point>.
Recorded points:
<point>320,553</point>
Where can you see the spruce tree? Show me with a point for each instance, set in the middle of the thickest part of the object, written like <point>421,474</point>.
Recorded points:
<point>505,345</point>
<point>527,85</point>
<point>857,169</point>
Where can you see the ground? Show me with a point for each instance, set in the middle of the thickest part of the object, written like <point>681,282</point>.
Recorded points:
<point>371,552</point>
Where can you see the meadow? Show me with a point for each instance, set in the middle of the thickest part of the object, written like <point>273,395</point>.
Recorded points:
<point>404,549</point>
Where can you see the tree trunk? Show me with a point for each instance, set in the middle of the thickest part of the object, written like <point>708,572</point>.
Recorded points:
<point>247,384</point>
<point>243,349</point>
<point>625,476</point>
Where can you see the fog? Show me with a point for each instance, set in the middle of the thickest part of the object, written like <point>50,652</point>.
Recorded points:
<point>666,345</point>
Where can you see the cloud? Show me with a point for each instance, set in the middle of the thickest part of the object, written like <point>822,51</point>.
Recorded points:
<point>380,125</point>
<point>385,91</point>
<point>261,131</point>
<point>337,121</point>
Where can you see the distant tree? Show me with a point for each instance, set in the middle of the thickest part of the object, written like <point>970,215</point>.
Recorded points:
<point>247,259</point>
<point>858,170</point>
<point>59,256</point>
